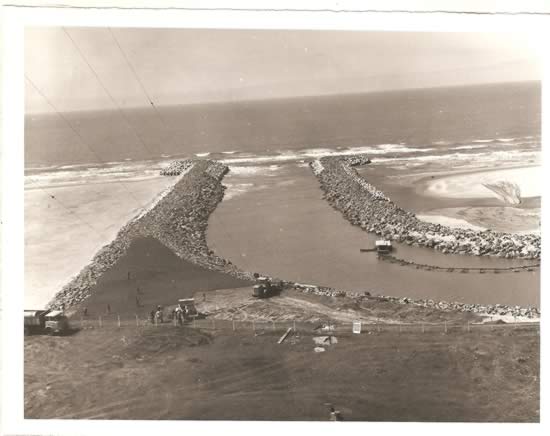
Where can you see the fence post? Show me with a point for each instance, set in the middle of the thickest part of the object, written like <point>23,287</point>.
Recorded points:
<point>118,319</point>
<point>233,322</point>
<point>100,322</point>
<point>378,326</point>
<point>254,326</point>
<point>399,328</point>
<point>423,329</point>
<point>445,326</point>
<point>137,320</point>
<point>273,323</point>
<point>294,325</point>
<point>81,321</point>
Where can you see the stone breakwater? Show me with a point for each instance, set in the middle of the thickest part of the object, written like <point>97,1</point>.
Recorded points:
<point>487,310</point>
<point>364,205</point>
<point>179,221</point>
<point>480,309</point>
<point>176,168</point>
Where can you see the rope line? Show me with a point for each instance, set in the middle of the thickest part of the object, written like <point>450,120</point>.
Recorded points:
<point>134,72</point>
<point>392,259</point>
<point>117,106</point>
<point>83,142</point>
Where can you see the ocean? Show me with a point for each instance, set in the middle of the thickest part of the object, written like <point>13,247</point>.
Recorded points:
<point>439,118</point>
<point>267,145</point>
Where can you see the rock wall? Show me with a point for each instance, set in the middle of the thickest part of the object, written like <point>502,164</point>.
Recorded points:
<point>179,221</point>
<point>366,206</point>
<point>481,309</point>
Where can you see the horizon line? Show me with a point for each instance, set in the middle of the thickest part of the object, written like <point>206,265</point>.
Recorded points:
<point>295,97</point>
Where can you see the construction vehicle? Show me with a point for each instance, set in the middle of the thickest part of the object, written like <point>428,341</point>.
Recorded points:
<point>187,305</point>
<point>48,322</point>
<point>265,289</point>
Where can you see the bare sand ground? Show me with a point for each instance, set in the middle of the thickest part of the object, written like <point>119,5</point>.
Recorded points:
<point>166,372</point>
<point>443,217</point>
<point>63,234</point>
<point>524,218</point>
<point>501,219</point>
<point>470,185</point>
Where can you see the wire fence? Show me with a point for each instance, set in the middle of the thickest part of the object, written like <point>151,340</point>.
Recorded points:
<point>255,327</point>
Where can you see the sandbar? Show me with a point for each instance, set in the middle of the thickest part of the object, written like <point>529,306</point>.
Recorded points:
<point>471,184</point>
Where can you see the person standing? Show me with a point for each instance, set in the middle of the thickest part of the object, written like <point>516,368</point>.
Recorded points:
<point>159,315</point>
<point>179,315</point>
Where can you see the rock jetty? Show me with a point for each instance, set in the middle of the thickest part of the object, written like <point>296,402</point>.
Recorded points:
<point>179,221</point>
<point>177,167</point>
<point>481,309</point>
<point>366,206</point>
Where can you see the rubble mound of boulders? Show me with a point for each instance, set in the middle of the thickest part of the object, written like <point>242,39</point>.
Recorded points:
<point>482,309</point>
<point>177,167</point>
<point>366,206</point>
<point>179,221</point>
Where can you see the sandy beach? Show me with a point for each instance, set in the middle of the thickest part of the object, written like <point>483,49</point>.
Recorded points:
<point>522,218</point>
<point>62,235</point>
<point>471,184</point>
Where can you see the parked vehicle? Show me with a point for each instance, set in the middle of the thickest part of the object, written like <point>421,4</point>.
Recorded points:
<point>264,288</point>
<point>188,308</point>
<point>48,322</point>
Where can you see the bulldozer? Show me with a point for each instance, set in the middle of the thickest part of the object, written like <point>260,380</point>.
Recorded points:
<point>264,288</point>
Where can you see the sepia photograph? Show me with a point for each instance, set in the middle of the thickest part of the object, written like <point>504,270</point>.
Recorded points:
<point>267,224</point>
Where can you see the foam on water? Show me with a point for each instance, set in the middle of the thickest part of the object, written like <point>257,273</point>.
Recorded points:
<point>315,153</point>
<point>247,164</point>
<point>469,147</point>
<point>253,170</point>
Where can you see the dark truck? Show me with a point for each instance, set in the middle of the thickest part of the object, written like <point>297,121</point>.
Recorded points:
<point>45,322</point>
<point>264,288</point>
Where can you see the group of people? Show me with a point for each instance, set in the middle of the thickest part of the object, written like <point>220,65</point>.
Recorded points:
<point>180,314</point>
<point>156,316</point>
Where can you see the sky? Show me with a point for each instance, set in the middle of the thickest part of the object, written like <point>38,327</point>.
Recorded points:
<point>75,69</point>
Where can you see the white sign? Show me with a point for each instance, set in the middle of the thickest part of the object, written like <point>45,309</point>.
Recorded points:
<point>356,327</point>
